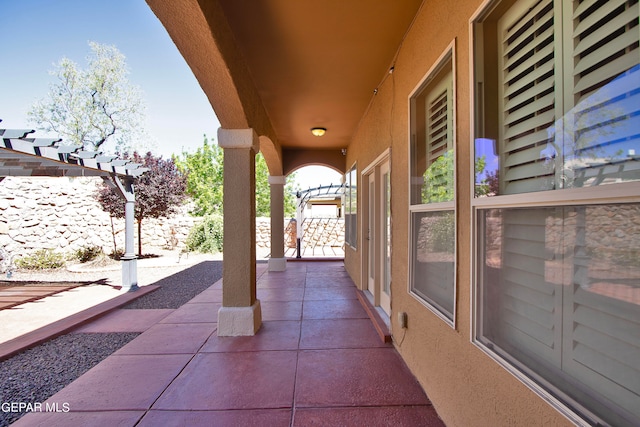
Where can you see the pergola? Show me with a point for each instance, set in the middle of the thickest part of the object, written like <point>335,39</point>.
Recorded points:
<point>23,155</point>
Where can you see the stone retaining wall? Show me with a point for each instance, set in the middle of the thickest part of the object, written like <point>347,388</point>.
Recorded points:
<point>62,214</point>
<point>323,232</point>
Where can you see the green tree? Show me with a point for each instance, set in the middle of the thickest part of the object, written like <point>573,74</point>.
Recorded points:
<point>91,106</point>
<point>438,180</point>
<point>159,191</point>
<point>204,170</point>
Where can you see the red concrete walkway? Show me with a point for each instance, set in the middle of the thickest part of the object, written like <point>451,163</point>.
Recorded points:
<point>317,360</point>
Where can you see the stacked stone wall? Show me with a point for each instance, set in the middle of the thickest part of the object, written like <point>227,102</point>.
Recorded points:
<point>63,214</point>
<point>263,233</point>
<point>323,232</point>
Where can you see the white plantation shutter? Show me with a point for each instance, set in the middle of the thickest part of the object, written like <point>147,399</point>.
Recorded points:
<point>439,120</point>
<point>439,127</point>
<point>602,343</point>
<point>602,346</point>
<point>601,333</point>
<point>603,99</point>
<point>527,96</point>
<point>530,305</point>
<point>561,318</point>
<point>568,110</point>
<point>605,43</point>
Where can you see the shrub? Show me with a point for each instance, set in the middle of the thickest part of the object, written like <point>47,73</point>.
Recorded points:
<point>117,254</point>
<point>42,259</point>
<point>206,236</point>
<point>88,253</point>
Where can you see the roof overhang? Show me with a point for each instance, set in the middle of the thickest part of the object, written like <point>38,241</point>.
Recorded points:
<point>283,67</point>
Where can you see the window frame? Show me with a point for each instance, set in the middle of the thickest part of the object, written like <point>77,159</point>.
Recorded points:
<point>351,207</point>
<point>446,59</point>
<point>610,194</point>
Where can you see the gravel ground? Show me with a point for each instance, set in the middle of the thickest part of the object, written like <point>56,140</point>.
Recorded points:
<point>180,287</point>
<point>38,373</point>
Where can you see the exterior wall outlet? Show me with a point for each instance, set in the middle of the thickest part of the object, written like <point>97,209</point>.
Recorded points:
<point>403,319</point>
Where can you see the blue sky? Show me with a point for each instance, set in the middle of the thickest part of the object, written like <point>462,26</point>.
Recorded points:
<point>36,34</point>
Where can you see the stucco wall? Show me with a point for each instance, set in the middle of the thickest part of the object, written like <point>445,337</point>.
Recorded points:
<point>466,386</point>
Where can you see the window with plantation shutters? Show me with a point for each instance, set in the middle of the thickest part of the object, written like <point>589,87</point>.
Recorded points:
<point>567,104</point>
<point>432,262</point>
<point>555,314</point>
<point>432,135</point>
<point>558,272</point>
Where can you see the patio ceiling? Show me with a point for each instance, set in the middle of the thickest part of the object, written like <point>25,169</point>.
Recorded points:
<point>305,63</point>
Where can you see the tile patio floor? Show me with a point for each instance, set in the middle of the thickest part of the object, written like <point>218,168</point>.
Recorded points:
<point>316,361</point>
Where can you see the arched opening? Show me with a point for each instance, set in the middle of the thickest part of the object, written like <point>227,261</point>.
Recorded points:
<point>315,176</point>
<point>319,230</point>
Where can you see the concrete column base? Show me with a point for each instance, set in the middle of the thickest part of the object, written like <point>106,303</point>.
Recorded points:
<point>277,264</point>
<point>239,321</point>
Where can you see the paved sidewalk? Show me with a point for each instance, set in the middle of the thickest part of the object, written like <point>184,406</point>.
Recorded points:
<point>317,360</point>
<point>27,317</point>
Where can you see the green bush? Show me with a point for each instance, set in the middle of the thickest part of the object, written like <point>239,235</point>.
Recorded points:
<point>88,253</point>
<point>42,259</point>
<point>206,236</point>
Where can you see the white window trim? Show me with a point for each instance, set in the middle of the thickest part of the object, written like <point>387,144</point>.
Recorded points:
<point>384,156</point>
<point>353,167</point>
<point>449,54</point>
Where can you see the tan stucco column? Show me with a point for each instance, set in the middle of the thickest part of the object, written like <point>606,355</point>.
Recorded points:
<point>277,261</point>
<point>240,313</point>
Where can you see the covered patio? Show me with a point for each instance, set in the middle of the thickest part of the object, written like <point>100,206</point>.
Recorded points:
<point>316,360</point>
<point>288,80</point>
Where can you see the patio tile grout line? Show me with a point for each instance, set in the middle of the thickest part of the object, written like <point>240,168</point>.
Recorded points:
<point>185,365</point>
<point>198,351</point>
<point>298,351</point>
<point>175,377</point>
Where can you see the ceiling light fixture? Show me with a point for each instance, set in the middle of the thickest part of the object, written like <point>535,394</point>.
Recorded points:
<point>318,131</point>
